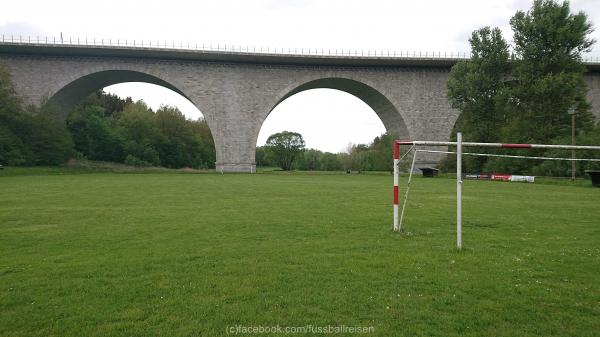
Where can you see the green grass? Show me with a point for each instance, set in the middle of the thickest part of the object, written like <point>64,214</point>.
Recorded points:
<point>88,166</point>
<point>168,254</point>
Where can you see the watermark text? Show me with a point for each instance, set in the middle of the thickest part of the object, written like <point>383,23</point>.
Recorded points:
<point>305,329</point>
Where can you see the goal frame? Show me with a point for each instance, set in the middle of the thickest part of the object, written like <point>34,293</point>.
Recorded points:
<point>459,144</point>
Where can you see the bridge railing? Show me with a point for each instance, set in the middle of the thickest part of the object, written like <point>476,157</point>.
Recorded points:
<point>227,48</point>
<point>230,48</point>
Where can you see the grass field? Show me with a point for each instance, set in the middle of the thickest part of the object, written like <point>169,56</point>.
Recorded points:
<point>175,254</point>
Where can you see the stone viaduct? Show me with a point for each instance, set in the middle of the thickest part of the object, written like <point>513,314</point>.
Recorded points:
<point>236,91</point>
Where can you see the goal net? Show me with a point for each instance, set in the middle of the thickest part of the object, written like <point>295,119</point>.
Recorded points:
<point>459,144</point>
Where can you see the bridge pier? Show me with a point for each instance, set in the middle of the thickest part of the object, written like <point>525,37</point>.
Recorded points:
<point>236,167</point>
<point>234,146</point>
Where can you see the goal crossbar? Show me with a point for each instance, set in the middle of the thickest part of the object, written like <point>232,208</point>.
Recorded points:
<point>501,145</point>
<point>509,156</point>
<point>459,153</point>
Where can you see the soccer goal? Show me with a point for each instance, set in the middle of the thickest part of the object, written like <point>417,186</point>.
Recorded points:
<point>459,144</point>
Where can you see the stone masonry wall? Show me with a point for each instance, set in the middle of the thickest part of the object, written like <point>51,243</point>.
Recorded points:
<point>236,98</point>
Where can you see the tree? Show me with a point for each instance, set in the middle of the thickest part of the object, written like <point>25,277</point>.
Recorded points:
<point>310,160</point>
<point>549,41</point>
<point>206,153</point>
<point>284,147</point>
<point>139,129</point>
<point>474,86</point>
<point>187,143</point>
<point>524,98</point>
<point>101,127</point>
<point>356,157</point>
<point>48,137</point>
<point>93,134</point>
<point>548,72</point>
<point>477,89</point>
<point>138,136</point>
<point>371,157</point>
<point>36,136</point>
<point>13,151</point>
<point>330,162</point>
<point>261,157</point>
<point>562,168</point>
<point>138,123</point>
<point>180,146</point>
<point>111,104</point>
<point>381,148</point>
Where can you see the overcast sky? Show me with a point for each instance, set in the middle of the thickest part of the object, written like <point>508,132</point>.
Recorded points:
<point>432,25</point>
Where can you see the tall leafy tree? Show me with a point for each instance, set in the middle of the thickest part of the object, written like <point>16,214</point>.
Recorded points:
<point>187,143</point>
<point>310,160</point>
<point>13,151</point>
<point>524,98</point>
<point>180,145</point>
<point>32,136</point>
<point>381,148</point>
<point>474,86</point>
<point>48,137</point>
<point>477,88</point>
<point>284,147</point>
<point>206,152</point>
<point>549,41</point>
<point>330,162</point>
<point>111,104</point>
<point>261,157</point>
<point>137,125</point>
<point>93,134</point>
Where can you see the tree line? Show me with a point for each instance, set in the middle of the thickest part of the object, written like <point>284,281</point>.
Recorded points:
<point>30,135</point>
<point>522,93</point>
<point>287,151</point>
<point>102,127</point>
<point>107,128</point>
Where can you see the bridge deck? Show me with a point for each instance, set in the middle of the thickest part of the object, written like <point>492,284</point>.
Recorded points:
<point>438,60</point>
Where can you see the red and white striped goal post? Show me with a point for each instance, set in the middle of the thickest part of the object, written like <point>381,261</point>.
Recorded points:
<point>459,144</point>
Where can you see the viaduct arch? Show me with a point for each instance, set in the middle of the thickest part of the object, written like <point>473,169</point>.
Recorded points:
<point>72,93</point>
<point>237,91</point>
<point>376,100</point>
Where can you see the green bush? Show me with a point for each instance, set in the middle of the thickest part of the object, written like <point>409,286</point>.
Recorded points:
<point>135,161</point>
